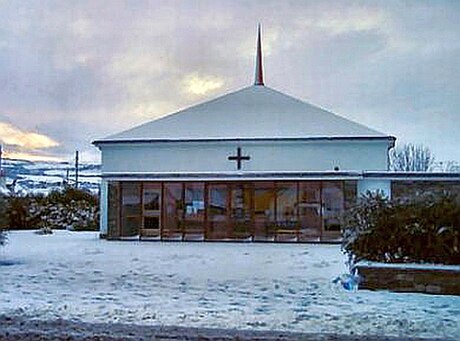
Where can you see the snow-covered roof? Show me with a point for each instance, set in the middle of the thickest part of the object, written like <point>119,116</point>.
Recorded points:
<point>254,112</point>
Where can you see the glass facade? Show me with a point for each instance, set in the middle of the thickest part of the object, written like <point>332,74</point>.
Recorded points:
<point>251,210</point>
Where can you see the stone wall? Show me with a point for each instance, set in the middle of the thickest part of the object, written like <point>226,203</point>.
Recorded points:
<point>404,189</point>
<point>443,281</point>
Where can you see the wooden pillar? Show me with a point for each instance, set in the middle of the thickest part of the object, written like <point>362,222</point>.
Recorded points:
<point>162,209</point>
<point>297,183</point>
<point>322,205</point>
<point>182,223</point>
<point>120,208</point>
<point>206,205</point>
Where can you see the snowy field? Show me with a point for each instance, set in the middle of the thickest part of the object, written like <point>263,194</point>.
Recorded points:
<point>41,177</point>
<point>75,275</point>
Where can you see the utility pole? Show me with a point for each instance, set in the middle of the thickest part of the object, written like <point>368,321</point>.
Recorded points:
<point>76,169</point>
<point>2,173</point>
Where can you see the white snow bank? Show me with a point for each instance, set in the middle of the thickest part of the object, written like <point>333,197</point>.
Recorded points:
<point>75,275</point>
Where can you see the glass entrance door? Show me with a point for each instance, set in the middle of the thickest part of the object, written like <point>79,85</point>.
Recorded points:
<point>151,205</point>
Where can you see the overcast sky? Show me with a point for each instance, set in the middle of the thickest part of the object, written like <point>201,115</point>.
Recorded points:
<point>74,71</point>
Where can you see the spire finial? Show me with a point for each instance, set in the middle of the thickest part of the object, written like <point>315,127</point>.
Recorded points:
<point>259,79</point>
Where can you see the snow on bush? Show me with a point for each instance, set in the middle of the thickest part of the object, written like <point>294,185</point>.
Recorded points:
<point>72,215</point>
<point>70,209</point>
<point>425,228</point>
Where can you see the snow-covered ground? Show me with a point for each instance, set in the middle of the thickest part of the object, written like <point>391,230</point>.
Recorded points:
<point>75,275</point>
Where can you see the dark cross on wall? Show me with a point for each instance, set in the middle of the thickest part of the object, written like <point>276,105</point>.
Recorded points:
<point>238,158</point>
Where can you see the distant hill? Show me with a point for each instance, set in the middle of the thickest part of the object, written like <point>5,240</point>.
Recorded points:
<point>44,176</point>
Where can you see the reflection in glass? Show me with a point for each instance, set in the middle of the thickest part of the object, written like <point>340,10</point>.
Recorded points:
<point>240,211</point>
<point>131,209</point>
<point>218,211</point>
<point>310,209</point>
<point>152,214</point>
<point>194,208</point>
<point>152,197</point>
<point>333,201</point>
<point>286,203</point>
<point>264,209</point>
<point>173,210</point>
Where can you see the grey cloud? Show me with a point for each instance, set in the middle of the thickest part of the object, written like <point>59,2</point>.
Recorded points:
<point>79,70</point>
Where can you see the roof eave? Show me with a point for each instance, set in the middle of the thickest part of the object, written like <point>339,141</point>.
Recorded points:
<point>390,139</point>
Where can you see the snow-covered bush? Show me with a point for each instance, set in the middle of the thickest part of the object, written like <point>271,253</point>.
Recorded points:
<point>420,229</point>
<point>69,209</point>
<point>18,212</point>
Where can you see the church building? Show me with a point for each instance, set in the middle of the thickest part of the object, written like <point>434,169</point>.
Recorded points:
<point>251,165</point>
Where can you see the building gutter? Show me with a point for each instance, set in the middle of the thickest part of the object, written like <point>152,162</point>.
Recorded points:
<point>390,139</point>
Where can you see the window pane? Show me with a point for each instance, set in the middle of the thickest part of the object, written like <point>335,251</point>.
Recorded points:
<point>264,210</point>
<point>240,213</point>
<point>350,189</point>
<point>174,209</point>
<point>131,209</point>
<point>287,224</point>
<point>218,211</point>
<point>286,196</point>
<point>333,204</point>
<point>194,208</point>
<point>310,209</point>
<point>152,223</point>
<point>152,197</point>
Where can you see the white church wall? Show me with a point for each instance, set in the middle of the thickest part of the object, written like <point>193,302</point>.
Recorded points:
<point>374,185</point>
<point>213,156</point>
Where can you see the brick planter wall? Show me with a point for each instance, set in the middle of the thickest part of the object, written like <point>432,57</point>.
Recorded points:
<point>443,281</point>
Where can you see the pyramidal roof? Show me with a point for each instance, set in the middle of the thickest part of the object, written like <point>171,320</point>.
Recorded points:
<point>254,112</point>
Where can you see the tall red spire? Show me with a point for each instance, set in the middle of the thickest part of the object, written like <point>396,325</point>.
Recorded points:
<point>259,79</point>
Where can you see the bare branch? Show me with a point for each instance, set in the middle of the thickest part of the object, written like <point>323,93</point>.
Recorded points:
<point>411,158</point>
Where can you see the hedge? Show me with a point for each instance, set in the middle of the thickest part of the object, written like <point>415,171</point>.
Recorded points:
<point>425,228</point>
<point>68,209</point>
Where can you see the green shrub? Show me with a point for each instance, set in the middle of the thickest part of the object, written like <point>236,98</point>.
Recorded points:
<point>425,228</point>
